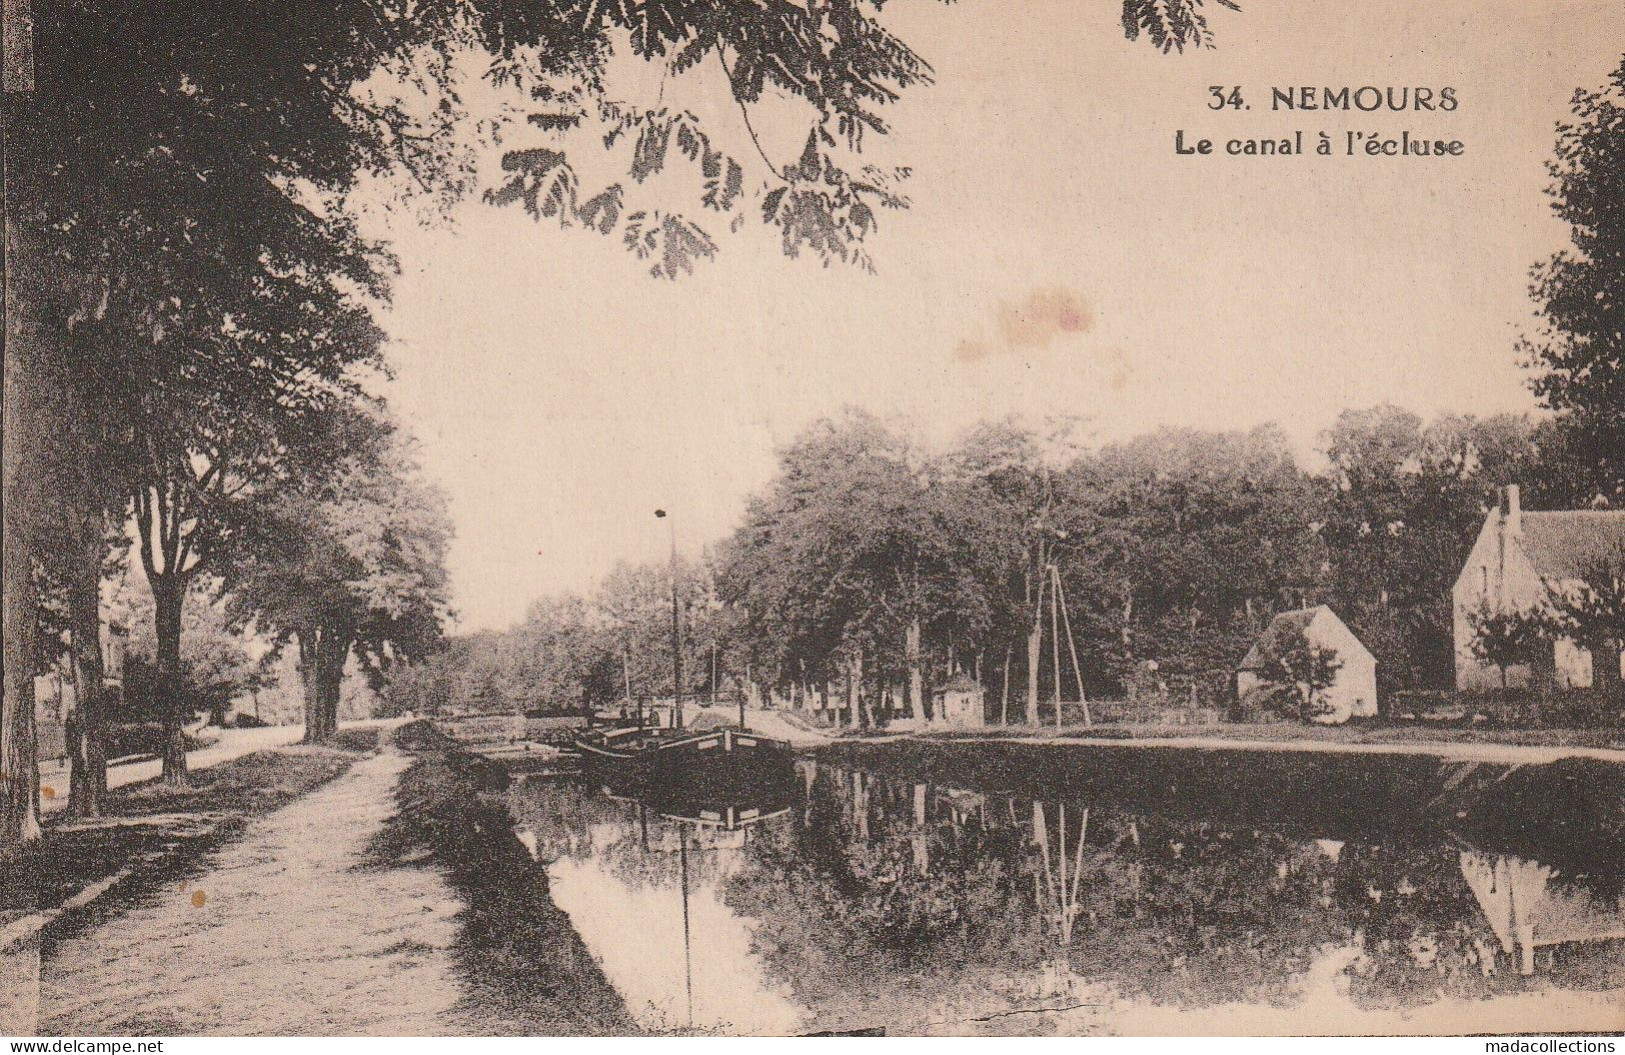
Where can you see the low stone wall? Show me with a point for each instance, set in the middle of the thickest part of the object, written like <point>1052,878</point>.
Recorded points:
<point>509,728</point>
<point>484,728</point>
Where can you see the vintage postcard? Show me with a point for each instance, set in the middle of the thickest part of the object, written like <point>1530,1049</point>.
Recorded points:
<point>813,517</point>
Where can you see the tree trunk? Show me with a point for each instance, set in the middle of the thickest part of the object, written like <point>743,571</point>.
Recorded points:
<point>1605,670</point>
<point>19,763</point>
<point>916,680</point>
<point>87,753</point>
<point>333,651</point>
<point>21,436</point>
<point>866,698</point>
<point>309,684</point>
<point>854,687</point>
<point>322,651</point>
<point>168,599</point>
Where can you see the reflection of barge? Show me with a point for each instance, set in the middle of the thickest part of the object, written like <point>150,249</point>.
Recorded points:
<point>730,791</point>
<point>663,748</point>
<point>728,817</point>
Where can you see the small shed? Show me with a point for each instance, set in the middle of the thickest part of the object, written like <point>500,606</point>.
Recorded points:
<point>958,703</point>
<point>1353,691</point>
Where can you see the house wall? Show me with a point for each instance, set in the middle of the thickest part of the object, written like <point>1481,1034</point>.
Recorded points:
<point>962,710</point>
<point>1510,582</point>
<point>1353,692</point>
<point>1503,576</point>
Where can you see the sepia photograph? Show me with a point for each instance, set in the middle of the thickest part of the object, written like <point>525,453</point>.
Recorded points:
<point>813,518</point>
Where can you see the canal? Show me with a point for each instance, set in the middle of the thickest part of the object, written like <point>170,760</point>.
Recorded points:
<point>974,890</point>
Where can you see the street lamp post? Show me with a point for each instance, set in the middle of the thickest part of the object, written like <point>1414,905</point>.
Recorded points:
<point>676,632</point>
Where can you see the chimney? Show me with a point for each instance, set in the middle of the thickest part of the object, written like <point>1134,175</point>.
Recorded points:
<point>1511,510</point>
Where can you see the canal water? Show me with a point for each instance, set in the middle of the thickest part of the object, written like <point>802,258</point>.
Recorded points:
<point>968,891</point>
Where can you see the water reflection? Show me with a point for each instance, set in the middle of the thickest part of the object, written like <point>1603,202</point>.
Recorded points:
<point>855,895</point>
<point>641,871</point>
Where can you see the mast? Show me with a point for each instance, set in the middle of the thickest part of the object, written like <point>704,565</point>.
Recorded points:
<point>676,632</point>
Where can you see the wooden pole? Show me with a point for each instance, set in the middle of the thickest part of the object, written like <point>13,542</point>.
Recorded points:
<point>1072,647</point>
<point>1055,634</point>
<point>1004,702</point>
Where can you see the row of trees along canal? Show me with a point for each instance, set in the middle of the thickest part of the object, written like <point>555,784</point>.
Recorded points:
<point>884,568</point>
<point>873,562</point>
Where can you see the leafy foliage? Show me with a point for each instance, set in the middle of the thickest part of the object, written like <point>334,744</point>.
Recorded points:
<point>1170,24</point>
<point>1507,638</point>
<point>833,56</point>
<point>1592,613</point>
<point>217,663</point>
<point>354,566</point>
<point>1303,669</point>
<point>1579,351</point>
<point>1404,501</point>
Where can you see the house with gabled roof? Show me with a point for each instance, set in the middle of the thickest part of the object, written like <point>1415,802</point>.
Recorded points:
<point>1519,561</point>
<point>1353,691</point>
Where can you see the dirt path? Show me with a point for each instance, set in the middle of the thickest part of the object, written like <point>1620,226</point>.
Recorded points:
<point>771,723</point>
<point>281,933</point>
<point>1506,754</point>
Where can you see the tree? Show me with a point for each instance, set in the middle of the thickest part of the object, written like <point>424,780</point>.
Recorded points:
<point>1301,670</point>
<point>1508,638</point>
<point>1186,542</point>
<point>1403,500</point>
<point>1010,470</point>
<point>1592,614</point>
<point>355,566</point>
<point>1578,353</point>
<point>219,662</point>
<point>78,513</point>
<point>551,660</point>
<point>859,555</point>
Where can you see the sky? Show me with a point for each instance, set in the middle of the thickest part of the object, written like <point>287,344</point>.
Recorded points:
<point>1058,258</point>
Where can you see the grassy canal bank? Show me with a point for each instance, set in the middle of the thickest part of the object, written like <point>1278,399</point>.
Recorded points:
<point>523,967</point>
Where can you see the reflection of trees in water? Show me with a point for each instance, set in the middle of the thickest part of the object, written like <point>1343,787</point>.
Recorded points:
<point>1197,914</point>
<point>908,879</point>
<point>921,883</point>
<point>852,921</point>
<point>560,813</point>
<point>878,896</point>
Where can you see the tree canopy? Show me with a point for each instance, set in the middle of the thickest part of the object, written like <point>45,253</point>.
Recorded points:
<point>1578,352</point>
